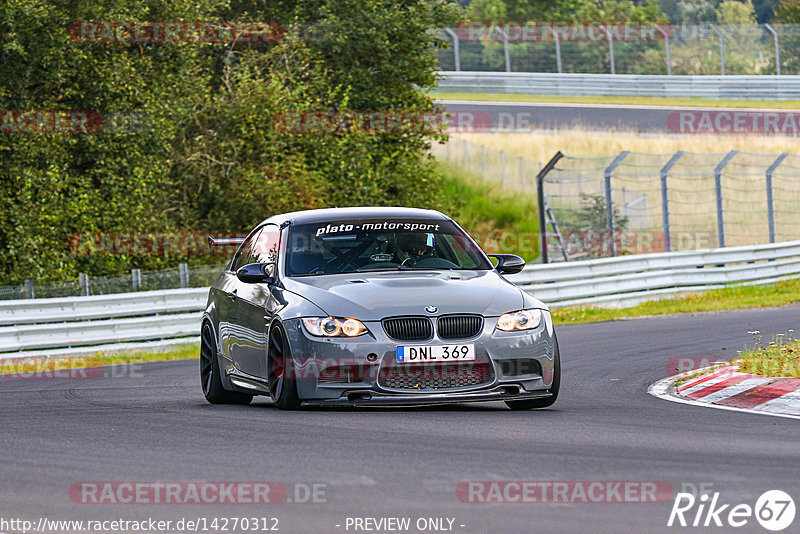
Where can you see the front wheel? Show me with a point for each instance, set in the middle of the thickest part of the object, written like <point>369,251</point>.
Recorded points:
<point>210,378</point>
<point>281,374</point>
<point>532,404</point>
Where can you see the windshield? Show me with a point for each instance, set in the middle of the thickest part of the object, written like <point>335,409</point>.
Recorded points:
<point>380,245</point>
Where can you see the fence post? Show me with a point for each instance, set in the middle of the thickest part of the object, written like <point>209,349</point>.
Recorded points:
<point>718,185</point>
<point>183,271</point>
<point>83,282</point>
<point>466,152</point>
<point>666,47</point>
<point>505,49</point>
<point>665,198</point>
<point>721,50</point>
<point>777,50</point>
<point>609,205</point>
<point>453,35</point>
<point>610,47</point>
<point>770,209</point>
<point>540,201</point>
<point>558,48</point>
<point>136,279</point>
<point>521,172</point>
<point>28,285</point>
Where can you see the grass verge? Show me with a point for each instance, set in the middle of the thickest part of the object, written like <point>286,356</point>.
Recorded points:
<point>51,365</point>
<point>730,298</point>
<point>540,146</point>
<point>498,220</point>
<point>779,357</point>
<point>624,100</point>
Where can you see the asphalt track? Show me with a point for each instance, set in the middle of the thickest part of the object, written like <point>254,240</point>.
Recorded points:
<point>551,116</point>
<point>151,423</point>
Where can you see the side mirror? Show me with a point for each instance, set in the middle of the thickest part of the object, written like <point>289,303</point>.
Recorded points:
<point>257,273</point>
<point>508,263</point>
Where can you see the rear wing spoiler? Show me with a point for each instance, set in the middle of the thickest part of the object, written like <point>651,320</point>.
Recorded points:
<point>225,241</point>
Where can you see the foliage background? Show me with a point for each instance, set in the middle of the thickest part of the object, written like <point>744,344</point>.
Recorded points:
<point>206,157</point>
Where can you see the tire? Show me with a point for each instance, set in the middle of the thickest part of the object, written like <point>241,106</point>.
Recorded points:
<point>282,385</point>
<point>210,378</point>
<point>532,404</point>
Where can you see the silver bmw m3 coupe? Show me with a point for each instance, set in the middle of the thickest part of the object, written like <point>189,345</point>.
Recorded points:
<point>373,306</point>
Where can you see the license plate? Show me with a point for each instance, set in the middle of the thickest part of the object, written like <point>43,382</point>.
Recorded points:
<point>435,353</point>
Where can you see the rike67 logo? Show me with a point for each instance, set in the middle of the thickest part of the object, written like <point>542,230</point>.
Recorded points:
<point>774,510</point>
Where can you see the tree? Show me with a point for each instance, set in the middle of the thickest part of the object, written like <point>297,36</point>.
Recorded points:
<point>788,11</point>
<point>207,156</point>
<point>735,12</point>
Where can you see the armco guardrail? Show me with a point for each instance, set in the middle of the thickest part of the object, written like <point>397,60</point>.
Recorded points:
<point>629,280</point>
<point>61,326</point>
<point>715,87</point>
<point>64,325</point>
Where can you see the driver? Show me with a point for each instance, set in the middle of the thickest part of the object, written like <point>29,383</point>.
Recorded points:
<point>412,247</point>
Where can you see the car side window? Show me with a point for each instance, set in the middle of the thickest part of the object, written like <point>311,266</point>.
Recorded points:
<point>243,256</point>
<point>266,245</point>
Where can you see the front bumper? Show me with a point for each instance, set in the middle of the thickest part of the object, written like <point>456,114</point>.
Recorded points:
<point>347,371</point>
<point>369,398</point>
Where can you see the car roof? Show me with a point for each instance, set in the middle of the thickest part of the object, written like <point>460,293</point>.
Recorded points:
<point>344,214</point>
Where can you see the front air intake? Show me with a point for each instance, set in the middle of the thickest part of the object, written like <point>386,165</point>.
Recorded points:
<point>408,328</point>
<point>459,326</point>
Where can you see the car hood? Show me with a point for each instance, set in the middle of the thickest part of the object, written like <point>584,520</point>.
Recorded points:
<point>373,296</point>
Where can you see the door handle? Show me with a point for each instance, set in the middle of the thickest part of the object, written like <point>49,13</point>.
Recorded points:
<point>232,294</point>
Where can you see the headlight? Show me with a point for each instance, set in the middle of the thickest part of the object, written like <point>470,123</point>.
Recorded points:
<point>334,326</point>
<point>519,320</point>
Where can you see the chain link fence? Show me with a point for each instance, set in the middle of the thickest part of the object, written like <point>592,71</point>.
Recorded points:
<point>525,46</point>
<point>183,276</point>
<point>496,167</point>
<point>636,202</point>
<point>644,202</point>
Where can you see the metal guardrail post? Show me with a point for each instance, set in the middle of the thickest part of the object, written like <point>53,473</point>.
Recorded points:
<point>83,282</point>
<point>718,186</point>
<point>540,201</point>
<point>28,287</point>
<point>136,279</point>
<point>665,198</point>
<point>777,50</point>
<point>183,272</point>
<point>721,49</point>
<point>456,51</point>
<point>666,47</point>
<point>558,48</point>
<point>609,204</point>
<point>770,207</point>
